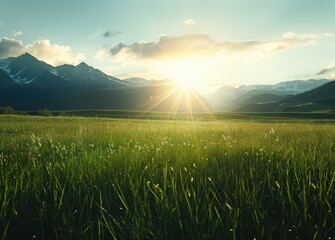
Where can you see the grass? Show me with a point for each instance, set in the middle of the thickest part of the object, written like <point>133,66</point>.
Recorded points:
<point>99,178</point>
<point>200,116</point>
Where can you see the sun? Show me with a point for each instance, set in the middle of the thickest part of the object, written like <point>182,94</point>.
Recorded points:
<point>185,84</point>
<point>190,74</point>
<point>187,77</point>
<point>185,73</point>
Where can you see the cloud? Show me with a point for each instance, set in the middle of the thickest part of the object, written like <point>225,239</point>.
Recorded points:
<point>190,22</point>
<point>200,46</point>
<point>17,34</point>
<point>168,47</point>
<point>110,34</point>
<point>10,47</point>
<point>103,51</point>
<point>42,49</point>
<point>53,54</point>
<point>328,69</point>
<point>2,23</point>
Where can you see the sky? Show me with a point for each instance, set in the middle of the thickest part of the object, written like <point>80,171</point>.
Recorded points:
<point>207,43</point>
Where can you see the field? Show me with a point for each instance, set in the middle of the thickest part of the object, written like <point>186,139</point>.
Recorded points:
<point>103,178</point>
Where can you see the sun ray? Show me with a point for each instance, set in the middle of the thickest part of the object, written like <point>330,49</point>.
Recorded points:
<point>181,98</point>
<point>203,105</point>
<point>162,97</point>
<point>188,103</point>
<point>176,104</point>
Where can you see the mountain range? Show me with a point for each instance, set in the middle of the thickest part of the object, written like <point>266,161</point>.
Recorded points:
<point>27,83</point>
<point>262,97</point>
<point>320,99</point>
<point>26,70</point>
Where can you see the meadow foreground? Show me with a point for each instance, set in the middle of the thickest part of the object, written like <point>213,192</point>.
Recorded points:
<point>94,178</point>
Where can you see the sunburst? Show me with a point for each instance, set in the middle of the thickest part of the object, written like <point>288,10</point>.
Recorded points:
<point>184,99</point>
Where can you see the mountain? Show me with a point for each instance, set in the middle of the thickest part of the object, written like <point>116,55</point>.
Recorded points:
<point>137,81</point>
<point>28,70</point>
<point>318,99</point>
<point>87,77</point>
<point>299,86</point>
<point>27,83</point>
<point>229,98</point>
<point>24,69</point>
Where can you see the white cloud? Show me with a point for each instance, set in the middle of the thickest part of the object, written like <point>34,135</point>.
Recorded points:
<point>190,22</point>
<point>203,46</point>
<point>2,23</point>
<point>17,33</point>
<point>101,53</point>
<point>42,49</point>
<point>53,54</point>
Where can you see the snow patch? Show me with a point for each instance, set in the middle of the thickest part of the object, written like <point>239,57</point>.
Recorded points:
<point>54,72</point>
<point>4,63</point>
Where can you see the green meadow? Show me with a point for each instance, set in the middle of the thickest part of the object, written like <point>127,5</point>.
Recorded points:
<point>108,178</point>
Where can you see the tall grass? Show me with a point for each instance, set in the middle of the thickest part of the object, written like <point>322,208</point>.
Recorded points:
<point>81,178</point>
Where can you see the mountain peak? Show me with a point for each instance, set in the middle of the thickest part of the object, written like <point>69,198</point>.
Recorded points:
<point>27,59</point>
<point>83,65</point>
<point>27,56</point>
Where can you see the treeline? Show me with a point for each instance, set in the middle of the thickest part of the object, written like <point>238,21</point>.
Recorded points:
<point>9,110</point>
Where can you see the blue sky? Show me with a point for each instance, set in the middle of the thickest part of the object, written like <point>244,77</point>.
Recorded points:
<point>209,42</point>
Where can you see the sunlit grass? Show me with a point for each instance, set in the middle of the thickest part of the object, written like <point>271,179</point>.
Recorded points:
<point>82,178</point>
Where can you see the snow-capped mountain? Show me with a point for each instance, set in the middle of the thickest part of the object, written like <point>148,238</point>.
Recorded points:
<point>27,70</point>
<point>24,69</point>
<point>85,76</point>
